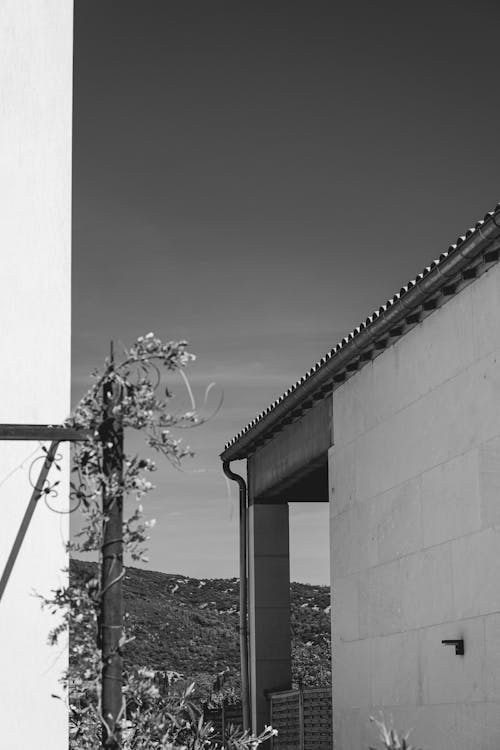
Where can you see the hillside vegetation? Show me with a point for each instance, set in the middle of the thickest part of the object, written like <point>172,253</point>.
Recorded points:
<point>190,626</point>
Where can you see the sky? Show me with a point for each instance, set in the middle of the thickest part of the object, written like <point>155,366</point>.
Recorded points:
<point>258,177</point>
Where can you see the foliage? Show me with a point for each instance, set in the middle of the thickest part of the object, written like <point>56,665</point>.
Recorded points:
<point>157,720</point>
<point>389,737</point>
<point>133,384</point>
<point>190,626</point>
<point>311,664</point>
<point>124,393</point>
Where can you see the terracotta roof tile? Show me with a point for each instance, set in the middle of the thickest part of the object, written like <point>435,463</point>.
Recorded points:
<point>369,321</point>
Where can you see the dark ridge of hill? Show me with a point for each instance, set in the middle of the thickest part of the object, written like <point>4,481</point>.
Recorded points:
<point>190,625</point>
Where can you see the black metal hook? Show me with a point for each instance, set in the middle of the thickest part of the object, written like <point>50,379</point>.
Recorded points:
<point>459,645</point>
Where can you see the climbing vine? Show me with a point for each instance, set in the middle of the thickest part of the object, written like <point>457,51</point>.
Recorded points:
<point>130,393</point>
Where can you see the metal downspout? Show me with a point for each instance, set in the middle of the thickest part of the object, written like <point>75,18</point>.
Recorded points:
<point>245,682</point>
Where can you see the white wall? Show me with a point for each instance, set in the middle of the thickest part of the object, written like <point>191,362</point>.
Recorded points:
<point>35,214</point>
<point>415,532</point>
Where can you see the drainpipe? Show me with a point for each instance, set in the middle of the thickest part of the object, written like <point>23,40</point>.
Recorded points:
<point>245,682</point>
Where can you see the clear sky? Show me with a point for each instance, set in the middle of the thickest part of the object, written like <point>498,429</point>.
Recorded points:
<point>257,177</point>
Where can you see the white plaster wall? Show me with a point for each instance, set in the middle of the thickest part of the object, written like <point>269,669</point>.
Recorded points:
<point>35,213</point>
<point>415,532</point>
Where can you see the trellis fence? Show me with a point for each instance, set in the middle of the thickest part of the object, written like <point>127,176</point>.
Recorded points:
<point>223,717</point>
<point>303,719</point>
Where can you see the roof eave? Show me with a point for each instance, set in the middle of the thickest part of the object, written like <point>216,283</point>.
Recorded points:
<point>428,284</point>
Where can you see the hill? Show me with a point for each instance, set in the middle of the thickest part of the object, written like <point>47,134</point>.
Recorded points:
<point>190,625</point>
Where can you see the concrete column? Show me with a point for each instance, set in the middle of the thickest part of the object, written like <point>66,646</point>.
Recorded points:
<point>269,592</point>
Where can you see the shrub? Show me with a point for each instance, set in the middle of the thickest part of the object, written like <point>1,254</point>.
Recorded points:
<point>156,720</point>
<point>389,737</point>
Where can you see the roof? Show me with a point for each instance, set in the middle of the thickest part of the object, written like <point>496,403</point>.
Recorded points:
<point>472,254</point>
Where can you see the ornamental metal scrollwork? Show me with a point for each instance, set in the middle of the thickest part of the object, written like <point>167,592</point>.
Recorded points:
<point>49,489</point>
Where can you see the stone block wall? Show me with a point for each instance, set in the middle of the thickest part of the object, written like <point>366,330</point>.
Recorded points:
<point>415,532</point>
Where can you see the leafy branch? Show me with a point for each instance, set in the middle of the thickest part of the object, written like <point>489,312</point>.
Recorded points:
<point>124,396</point>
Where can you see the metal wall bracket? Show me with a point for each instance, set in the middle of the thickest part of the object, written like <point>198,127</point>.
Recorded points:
<point>459,645</point>
<point>56,434</point>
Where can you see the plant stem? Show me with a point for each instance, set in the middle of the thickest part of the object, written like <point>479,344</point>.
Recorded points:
<point>111,624</point>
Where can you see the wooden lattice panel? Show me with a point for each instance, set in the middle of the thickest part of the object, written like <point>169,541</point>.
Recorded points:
<point>230,714</point>
<point>317,712</point>
<point>285,718</point>
<point>303,719</point>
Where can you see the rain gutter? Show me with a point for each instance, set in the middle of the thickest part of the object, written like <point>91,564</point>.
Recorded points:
<point>321,381</point>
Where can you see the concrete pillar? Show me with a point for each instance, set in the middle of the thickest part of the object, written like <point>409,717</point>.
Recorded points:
<point>269,613</point>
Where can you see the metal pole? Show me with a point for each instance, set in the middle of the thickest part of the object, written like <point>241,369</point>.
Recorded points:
<point>35,497</point>
<point>245,680</point>
<point>301,718</point>
<point>111,619</point>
